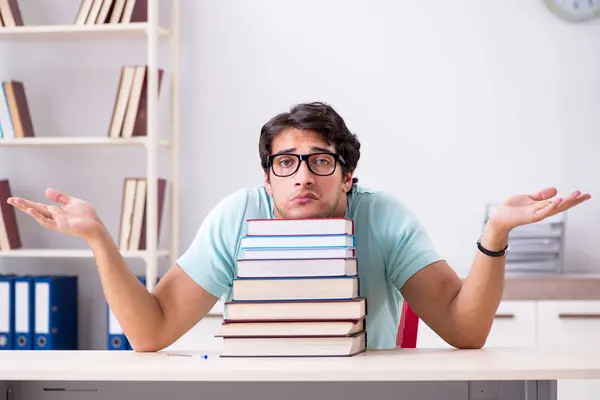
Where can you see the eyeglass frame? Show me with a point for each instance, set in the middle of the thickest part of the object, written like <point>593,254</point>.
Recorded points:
<point>304,157</point>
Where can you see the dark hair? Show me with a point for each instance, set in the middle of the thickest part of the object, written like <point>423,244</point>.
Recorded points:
<point>319,117</point>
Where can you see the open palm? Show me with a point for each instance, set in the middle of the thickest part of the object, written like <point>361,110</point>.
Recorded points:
<point>72,216</point>
<point>529,208</point>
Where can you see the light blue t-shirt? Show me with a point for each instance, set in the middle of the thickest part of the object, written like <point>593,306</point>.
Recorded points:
<point>391,246</point>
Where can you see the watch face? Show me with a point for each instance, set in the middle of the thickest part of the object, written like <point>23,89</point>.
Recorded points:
<point>574,10</point>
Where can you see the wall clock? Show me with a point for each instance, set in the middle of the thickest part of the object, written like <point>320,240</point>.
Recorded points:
<point>574,10</point>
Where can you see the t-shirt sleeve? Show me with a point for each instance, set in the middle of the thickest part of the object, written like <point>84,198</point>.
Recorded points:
<point>210,259</point>
<point>405,245</point>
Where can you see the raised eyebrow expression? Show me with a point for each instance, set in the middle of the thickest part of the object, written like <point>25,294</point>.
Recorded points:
<point>313,148</point>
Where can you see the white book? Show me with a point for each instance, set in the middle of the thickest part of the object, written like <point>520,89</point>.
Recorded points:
<point>294,346</point>
<point>309,288</point>
<point>298,241</point>
<point>297,267</point>
<point>297,310</point>
<point>291,328</point>
<point>308,226</point>
<point>288,253</point>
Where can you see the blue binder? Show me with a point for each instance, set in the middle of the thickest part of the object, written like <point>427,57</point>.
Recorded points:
<point>24,313</point>
<point>55,313</point>
<point>142,279</point>
<point>116,338</point>
<point>7,312</point>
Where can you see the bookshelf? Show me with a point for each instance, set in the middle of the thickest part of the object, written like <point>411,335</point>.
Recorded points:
<point>79,141</point>
<point>74,253</point>
<point>132,30</point>
<point>151,33</point>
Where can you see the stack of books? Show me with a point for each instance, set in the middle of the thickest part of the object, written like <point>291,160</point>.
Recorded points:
<point>296,292</point>
<point>93,12</point>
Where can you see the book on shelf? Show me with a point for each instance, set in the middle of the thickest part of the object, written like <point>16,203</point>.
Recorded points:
<point>130,111</point>
<point>15,117</point>
<point>10,237</point>
<point>133,222</point>
<point>93,12</point>
<point>10,14</point>
<point>292,299</point>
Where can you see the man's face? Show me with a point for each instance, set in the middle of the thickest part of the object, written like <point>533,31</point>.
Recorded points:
<point>305,194</point>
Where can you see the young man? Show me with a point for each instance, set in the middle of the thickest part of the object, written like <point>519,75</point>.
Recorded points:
<point>308,156</point>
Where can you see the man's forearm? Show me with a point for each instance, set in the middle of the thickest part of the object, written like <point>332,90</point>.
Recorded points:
<point>474,307</point>
<point>138,312</point>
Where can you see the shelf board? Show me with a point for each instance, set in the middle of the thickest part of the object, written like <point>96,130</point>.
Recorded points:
<point>71,253</point>
<point>77,141</point>
<point>137,30</point>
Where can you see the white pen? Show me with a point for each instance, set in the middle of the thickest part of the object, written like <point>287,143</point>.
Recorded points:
<point>204,356</point>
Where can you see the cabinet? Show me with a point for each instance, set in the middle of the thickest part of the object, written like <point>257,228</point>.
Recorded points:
<point>541,323</point>
<point>514,325</point>
<point>571,323</point>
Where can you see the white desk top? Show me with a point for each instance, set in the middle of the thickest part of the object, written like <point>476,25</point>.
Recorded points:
<point>374,365</point>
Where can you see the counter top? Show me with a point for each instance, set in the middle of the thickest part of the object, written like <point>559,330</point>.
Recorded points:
<point>559,287</point>
<point>534,363</point>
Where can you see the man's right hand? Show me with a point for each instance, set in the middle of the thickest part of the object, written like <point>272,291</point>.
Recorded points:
<point>72,216</point>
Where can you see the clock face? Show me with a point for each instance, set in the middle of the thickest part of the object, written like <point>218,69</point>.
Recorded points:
<point>574,10</point>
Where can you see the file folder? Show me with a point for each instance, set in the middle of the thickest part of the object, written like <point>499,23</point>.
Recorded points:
<point>24,313</point>
<point>116,338</point>
<point>55,325</point>
<point>7,312</point>
<point>142,279</point>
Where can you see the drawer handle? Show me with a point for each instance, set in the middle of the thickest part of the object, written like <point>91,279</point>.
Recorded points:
<point>579,316</point>
<point>504,316</point>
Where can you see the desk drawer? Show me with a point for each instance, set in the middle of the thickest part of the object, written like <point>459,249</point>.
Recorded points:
<point>569,322</point>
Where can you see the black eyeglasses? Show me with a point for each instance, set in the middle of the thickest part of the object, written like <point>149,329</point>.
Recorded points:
<point>322,164</point>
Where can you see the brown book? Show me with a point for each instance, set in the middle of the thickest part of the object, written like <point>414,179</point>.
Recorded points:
<point>139,222</point>
<point>140,128</point>
<point>9,231</point>
<point>11,13</point>
<point>135,11</point>
<point>19,109</point>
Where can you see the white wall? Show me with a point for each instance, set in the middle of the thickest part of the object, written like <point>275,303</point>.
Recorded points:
<point>455,103</point>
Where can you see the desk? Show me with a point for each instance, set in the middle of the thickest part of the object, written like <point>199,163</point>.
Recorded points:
<point>490,373</point>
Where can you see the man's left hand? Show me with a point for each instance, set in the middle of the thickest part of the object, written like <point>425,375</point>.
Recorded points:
<point>529,208</point>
